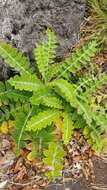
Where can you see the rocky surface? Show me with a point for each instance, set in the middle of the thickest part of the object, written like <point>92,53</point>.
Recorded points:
<point>23,22</point>
<point>21,174</point>
<point>100,180</point>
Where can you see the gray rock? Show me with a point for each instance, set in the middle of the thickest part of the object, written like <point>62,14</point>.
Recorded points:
<point>23,22</point>
<point>80,184</point>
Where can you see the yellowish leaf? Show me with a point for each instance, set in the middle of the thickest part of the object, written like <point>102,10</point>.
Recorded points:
<point>11,124</point>
<point>4,128</point>
<point>31,156</point>
<point>58,123</point>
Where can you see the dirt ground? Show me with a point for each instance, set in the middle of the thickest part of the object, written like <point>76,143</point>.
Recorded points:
<point>83,170</point>
<point>100,181</point>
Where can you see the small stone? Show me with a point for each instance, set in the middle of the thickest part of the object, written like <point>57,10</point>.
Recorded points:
<point>5,145</point>
<point>7,161</point>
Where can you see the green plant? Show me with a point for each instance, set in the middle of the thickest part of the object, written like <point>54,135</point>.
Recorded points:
<point>54,159</point>
<point>59,91</point>
<point>98,21</point>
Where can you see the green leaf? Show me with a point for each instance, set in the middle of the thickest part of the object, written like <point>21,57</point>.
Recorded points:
<point>17,95</point>
<point>20,134</point>
<point>69,93</point>
<point>25,82</point>
<point>101,120</point>
<point>54,160</point>
<point>53,70</point>
<point>53,102</point>
<point>14,58</point>
<point>79,123</point>
<point>3,97</point>
<point>8,93</point>
<point>99,7</point>
<point>42,120</point>
<point>67,128</point>
<point>45,96</point>
<point>67,90</point>
<point>41,139</point>
<point>45,53</point>
<point>79,59</point>
<point>40,94</point>
<point>84,109</point>
<point>91,84</point>
<point>11,100</point>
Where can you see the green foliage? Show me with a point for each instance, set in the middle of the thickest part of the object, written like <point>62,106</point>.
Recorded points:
<point>8,93</point>
<point>99,19</point>
<point>14,58</point>
<point>42,138</point>
<point>26,82</point>
<point>46,96</point>
<point>74,62</point>
<point>79,59</point>
<point>42,120</point>
<point>45,53</point>
<point>91,84</point>
<point>67,127</point>
<point>19,133</point>
<point>54,160</point>
<point>68,91</point>
<point>53,71</point>
<point>100,6</point>
<point>11,101</point>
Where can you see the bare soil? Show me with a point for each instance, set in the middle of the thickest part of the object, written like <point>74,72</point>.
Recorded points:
<point>83,170</point>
